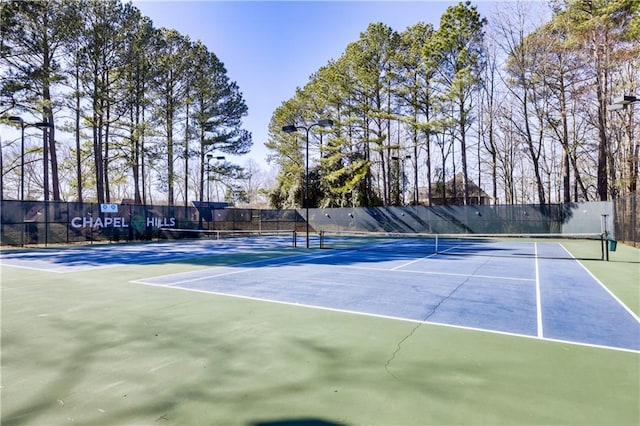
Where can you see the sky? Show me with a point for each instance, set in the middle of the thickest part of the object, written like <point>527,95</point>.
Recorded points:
<point>270,48</point>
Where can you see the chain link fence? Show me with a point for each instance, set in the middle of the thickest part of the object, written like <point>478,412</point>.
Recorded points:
<point>40,223</point>
<point>627,220</point>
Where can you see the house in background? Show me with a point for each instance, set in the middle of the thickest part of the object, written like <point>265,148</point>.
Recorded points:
<point>453,193</point>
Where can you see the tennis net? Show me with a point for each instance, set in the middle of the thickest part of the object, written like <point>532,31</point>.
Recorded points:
<point>559,246</point>
<point>273,238</point>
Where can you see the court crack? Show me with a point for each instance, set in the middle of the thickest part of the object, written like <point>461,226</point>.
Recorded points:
<point>426,318</point>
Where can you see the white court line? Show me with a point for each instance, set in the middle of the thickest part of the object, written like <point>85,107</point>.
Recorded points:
<point>422,258</point>
<point>238,271</point>
<point>412,262</point>
<point>33,268</point>
<point>538,297</point>
<point>453,274</point>
<point>66,269</point>
<point>446,273</point>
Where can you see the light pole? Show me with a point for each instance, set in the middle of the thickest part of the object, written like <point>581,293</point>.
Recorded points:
<point>621,103</point>
<point>40,125</point>
<point>209,156</point>
<point>17,119</point>
<point>402,160</point>
<point>293,129</point>
<point>218,158</point>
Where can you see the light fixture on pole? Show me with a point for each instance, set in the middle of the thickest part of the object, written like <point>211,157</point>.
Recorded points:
<point>622,102</point>
<point>292,129</point>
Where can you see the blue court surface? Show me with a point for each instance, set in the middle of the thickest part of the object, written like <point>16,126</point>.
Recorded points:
<point>545,295</point>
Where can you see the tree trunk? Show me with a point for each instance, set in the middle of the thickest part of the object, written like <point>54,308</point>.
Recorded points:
<point>48,115</point>
<point>186,155</point>
<point>463,153</point>
<point>77,136</point>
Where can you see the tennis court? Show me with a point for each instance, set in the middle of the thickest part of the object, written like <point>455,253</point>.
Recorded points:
<point>493,286</point>
<point>466,332</point>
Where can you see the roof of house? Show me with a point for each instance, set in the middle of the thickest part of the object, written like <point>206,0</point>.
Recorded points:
<point>474,189</point>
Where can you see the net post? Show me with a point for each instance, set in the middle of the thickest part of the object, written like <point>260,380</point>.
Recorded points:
<point>604,230</point>
<point>436,243</point>
<point>321,233</point>
<point>295,238</point>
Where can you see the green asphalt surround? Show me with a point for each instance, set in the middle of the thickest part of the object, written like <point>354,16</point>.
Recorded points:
<point>91,348</point>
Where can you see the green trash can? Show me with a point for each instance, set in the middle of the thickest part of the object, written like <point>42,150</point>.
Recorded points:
<point>612,245</point>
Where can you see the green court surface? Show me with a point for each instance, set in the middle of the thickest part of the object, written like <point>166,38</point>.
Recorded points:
<point>91,348</point>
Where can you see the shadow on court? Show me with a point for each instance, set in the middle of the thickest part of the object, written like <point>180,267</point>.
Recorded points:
<point>88,347</point>
<point>297,422</point>
<point>251,254</point>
